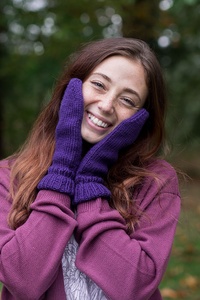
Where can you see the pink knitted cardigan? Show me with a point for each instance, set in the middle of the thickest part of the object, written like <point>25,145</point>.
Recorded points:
<point>124,267</point>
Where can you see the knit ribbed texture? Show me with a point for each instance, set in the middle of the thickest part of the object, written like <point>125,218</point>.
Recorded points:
<point>96,163</point>
<point>90,190</point>
<point>67,154</point>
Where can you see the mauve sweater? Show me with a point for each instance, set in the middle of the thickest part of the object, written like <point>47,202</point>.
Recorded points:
<point>124,267</point>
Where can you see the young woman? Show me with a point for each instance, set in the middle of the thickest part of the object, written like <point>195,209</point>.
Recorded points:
<point>88,210</point>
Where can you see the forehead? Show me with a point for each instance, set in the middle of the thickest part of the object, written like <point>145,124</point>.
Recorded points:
<point>121,66</point>
<point>118,59</point>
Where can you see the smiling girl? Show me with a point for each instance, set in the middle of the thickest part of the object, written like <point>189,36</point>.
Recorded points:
<point>111,96</point>
<point>88,210</point>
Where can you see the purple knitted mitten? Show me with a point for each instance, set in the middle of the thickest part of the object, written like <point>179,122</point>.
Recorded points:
<point>96,163</point>
<point>68,147</point>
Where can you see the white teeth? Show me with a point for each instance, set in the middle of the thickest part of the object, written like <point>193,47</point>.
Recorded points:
<point>97,122</point>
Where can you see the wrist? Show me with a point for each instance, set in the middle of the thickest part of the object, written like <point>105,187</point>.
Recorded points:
<point>57,183</point>
<point>86,191</point>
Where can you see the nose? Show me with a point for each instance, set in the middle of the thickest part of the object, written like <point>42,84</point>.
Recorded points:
<point>106,104</point>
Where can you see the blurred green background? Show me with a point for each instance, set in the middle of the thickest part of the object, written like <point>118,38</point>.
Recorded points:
<point>36,37</point>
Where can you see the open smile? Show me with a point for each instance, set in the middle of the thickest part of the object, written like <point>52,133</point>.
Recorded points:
<point>97,121</point>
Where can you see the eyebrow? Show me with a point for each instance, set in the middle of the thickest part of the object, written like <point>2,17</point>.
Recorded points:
<point>127,90</point>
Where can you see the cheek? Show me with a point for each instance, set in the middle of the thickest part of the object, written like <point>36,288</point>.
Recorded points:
<point>87,95</point>
<point>124,114</point>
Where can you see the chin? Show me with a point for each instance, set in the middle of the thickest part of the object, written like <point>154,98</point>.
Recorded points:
<point>92,137</point>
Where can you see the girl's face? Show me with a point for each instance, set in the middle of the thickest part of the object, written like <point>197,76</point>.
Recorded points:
<point>114,91</point>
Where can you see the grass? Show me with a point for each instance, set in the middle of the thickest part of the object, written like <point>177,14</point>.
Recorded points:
<point>182,279</point>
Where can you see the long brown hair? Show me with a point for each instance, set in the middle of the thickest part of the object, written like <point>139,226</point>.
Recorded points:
<point>32,161</point>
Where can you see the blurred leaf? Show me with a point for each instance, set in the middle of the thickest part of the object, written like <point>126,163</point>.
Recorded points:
<point>190,281</point>
<point>169,293</point>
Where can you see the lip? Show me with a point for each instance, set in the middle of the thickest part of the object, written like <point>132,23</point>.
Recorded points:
<point>100,118</point>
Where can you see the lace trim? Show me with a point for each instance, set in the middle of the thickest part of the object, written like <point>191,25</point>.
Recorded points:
<point>77,285</point>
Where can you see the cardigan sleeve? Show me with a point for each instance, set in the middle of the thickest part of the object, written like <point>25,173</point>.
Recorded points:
<point>130,267</point>
<point>30,256</point>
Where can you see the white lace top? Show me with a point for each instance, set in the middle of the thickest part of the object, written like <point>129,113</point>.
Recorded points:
<point>77,285</point>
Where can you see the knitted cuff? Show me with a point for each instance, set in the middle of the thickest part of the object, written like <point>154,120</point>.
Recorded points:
<point>57,183</point>
<point>85,191</point>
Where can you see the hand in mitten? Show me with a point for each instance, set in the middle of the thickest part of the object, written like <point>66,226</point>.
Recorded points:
<point>94,166</point>
<point>68,142</point>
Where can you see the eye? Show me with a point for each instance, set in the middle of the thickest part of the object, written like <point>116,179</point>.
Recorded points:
<point>128,102</point>
<point>98,84</point>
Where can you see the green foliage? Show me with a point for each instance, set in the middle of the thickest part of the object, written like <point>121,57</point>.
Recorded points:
<point>182,280</point>
<point>36,40</point>
<point>183,73</point>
